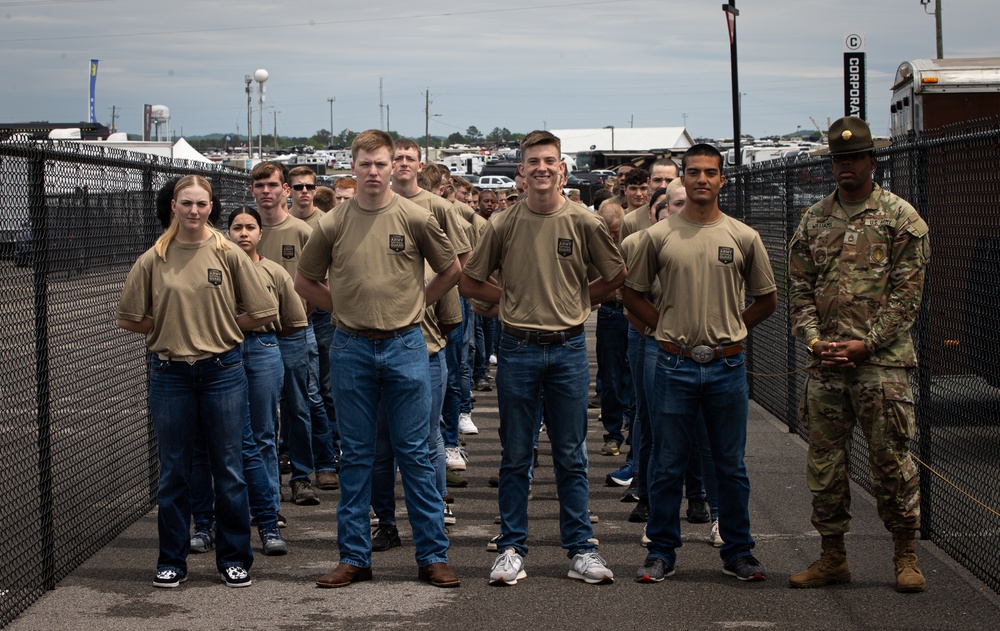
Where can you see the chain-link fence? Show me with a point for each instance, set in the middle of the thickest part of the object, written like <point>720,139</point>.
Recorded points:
<point>77,447</point>
<point>952,178</point>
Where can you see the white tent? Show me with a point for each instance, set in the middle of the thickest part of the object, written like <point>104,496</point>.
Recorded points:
<point>624,139</point>
<point>184,151</point>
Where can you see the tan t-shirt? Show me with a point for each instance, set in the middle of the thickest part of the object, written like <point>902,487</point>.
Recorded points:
<point>444,312</point>
<point>450,221</point>
<point>543,259</point>
<point>284,243</point>
<point>628,247</point>
<point>704,271</point>
<point>192,297</point>
<point>635,221</point>
<point>291,314</point>
<point>313,219</point>
<point>475,221</point>
<point>375,261</point>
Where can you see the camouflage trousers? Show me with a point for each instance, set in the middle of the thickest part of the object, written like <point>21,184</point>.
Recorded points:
<point>880,398</point>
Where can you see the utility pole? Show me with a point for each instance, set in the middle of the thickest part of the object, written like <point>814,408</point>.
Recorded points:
<point>249,79</point>
<point>381,114</point>
<point>114,115</point>
<point>330,100</point>
<point>427,123</point>
<point>387,125</point>
<point>275,131</point>
<point>631,120</point>
<point>731,13</point>
<point>937,24</point>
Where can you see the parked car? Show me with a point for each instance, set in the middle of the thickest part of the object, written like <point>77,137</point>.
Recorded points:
<point>342,165</point>
<point>495,181</point>
<point>593,178</point>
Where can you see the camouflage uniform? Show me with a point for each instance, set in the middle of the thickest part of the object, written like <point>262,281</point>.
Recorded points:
<point>860,278</point>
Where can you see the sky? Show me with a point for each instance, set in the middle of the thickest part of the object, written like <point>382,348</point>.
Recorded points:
<point>520,65</point>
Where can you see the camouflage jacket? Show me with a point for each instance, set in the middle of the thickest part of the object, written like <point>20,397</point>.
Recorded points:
<point>860,277</point>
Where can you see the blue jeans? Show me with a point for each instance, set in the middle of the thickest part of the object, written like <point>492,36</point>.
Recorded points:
<point>559,372</point>
<point>617,391</point>
<point>640,437</point>
<point>480,359</point>
<point>296,418</point>
<point>384,474</point>
<point>323,328</point>
<point>262,362</point>
<point>687,392</point>
<point>453,356</point>
<point>323,455</point>
<point>468,356</point>
<point>209,396</point>
<point>394,372</point>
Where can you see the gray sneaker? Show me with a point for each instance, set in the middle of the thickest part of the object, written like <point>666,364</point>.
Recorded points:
<point>273,543</point>
<point>746,568</point>
<point>653,570</point>
<point>508,568</point>
<point>591,568</point>
<point>203,540</point>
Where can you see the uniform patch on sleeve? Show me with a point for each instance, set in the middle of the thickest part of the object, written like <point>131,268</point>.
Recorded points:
<point>215,276</point>
<point>397,242</point>
<point>877,253</point>
<point>725,254</point>
<point>288,251</point>
<point>565,247</point>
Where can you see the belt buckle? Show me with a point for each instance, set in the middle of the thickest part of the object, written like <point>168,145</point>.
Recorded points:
<point>702,354</point>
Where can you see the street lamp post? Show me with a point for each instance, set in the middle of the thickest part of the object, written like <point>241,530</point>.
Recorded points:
<point>249,80</point>
<point>731,13</point>
<point>330,100</point>
<point>260,76</point>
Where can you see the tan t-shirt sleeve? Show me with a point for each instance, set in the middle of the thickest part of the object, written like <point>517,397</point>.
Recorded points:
<point>314,263</point>
<point>436,247</point>
<point>604,254</point>
<point>250,291</point>
<point>486,256</point>
<point>291,314</point>
<point>760,277</point>
<point>642,265</point>
<point>136,300</point>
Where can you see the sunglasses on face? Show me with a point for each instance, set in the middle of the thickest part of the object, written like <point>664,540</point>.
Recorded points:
<point>303,187</point>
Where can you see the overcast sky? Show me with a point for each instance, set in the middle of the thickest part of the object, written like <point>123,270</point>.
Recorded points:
<point>515,64</point>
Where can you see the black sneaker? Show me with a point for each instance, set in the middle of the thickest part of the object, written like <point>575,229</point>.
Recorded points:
<point>236,576</point>
<point>746,569</point>
<point>284,464</point>
<point>653,570</point>
<point>385,537</point>
<point>640,514</point>
<point>631,494</point>
<point>169,578</point>
<point>697,512</point>
<point>272,542</point>
<point>303,493</point>
<point>203,539</point>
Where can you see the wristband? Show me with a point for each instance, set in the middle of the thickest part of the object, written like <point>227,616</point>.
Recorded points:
<point>812,343</point>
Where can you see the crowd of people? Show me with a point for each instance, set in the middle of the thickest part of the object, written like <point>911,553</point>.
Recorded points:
<point>338,336</point>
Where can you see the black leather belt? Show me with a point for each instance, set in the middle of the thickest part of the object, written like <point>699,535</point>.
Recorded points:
<point>543,337</point>
<point>703,353</point>
<point>614,304</point>
<point>376,334</point>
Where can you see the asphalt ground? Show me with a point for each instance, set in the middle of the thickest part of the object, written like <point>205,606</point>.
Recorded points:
<point>113,589</point>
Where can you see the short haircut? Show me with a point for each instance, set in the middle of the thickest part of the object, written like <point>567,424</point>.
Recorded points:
<point>346,182</point>
<point>636,177</point>
<point>302,171</point>
<point>406,143</point>
<point>600,196</point>
<point>701,150</point>
<point>372,140</point>
<point>460,182</point>
<point>324,198</point>
<point>610,211</point>
<point>487,192</point>
<point>267,169</point>
<point>540,137</point>
<point>665,162</point>
<point>447,191</point>
<point>429,178</point>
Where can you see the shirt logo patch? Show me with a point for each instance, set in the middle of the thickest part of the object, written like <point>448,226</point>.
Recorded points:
<point>877,254</point>
<point>215,276</point>
<point>565,247</point>
<point>725,254</point>
<point>397,242</point>
<point>288,251</point>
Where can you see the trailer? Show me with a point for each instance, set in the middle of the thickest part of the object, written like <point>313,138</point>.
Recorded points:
<point>931,93</point>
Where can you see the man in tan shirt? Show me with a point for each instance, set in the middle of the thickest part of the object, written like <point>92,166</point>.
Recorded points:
<point>543,246</point>
<point>373,249</point>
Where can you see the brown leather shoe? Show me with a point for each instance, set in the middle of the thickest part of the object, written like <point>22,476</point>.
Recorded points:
<point>438,575</point>
<point>343,575</point>
<point>327,480</point>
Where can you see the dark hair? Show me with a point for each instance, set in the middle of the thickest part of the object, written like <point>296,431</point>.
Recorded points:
<point>165,194</point>
<point>657,194</point>
<point>600,196</point>
<point>636,177</point>
<point>701,150</point>
<point>244,210</point>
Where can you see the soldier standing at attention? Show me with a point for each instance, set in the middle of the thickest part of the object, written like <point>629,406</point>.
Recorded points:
<point>856,266</point>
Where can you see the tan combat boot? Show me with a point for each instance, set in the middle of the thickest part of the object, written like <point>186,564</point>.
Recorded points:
<point>908,576</point>
<point>830,569</point>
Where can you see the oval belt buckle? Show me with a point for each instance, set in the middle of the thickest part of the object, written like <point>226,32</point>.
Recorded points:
<point>702,354</point>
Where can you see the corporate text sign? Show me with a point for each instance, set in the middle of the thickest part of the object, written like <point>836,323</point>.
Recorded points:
<point>854,76</point>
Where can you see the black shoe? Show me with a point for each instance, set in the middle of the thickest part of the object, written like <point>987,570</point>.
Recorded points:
<point>303,493</point>
<point>535,462</point>
<point>284,464</point>
<point>385,537</point>
<point>631,494</point>
<point>640,514</point>
<point>483,385</point>
<point>697,512</point>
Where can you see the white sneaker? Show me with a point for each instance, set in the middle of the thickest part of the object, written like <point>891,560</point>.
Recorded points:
<point>714,536</point>
<point>449,517</point>
<point>508,568</point>
<point>453,459</point>
<point>493,360</point>
<point>465,424</point>
<point>645,540</point>
<point>590,567</point>
<point>491,545</point>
